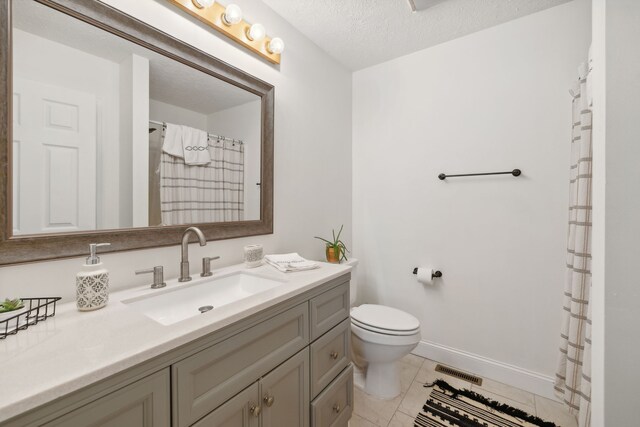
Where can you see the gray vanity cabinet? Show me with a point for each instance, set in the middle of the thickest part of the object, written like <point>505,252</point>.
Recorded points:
<point>280,399</point>
<point>144,403</point>
<point>286,366</point>
<point>207,379</point>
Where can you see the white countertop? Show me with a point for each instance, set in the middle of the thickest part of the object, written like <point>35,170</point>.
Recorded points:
<point>74,349</point>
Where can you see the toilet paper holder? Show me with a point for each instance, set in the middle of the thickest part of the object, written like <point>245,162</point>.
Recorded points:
<point>435,274</point>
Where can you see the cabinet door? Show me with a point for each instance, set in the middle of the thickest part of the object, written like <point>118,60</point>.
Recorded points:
<point>243,410</point>
<point>144,403</point>
<point>285,393</point>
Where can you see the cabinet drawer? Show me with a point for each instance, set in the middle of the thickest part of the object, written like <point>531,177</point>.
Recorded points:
<point>329,309</point>
<point>207,379</point>
<point>144,403</point>
<point>330,354</point>
<point>333,407</point>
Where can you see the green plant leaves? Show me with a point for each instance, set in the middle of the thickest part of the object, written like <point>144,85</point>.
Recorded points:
<point>11,305</point>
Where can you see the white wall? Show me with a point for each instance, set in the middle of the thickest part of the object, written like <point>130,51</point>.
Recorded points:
<point>312,154</point>
<point>494,100</point>
<point>134,142</point>
<point>616,312</point>
<point>162,112</point>
<point>243,122</point>
<point>78,70</point>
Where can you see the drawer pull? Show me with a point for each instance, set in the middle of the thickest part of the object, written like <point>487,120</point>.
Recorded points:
<point>336,408</point>
<point>254,410</point>
<point>334,355</point>
<point>268,400</point>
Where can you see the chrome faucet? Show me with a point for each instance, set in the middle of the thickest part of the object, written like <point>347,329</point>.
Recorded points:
<point>184,264</point>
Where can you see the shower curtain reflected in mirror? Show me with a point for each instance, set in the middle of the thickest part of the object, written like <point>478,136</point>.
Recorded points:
<point>191,194</point>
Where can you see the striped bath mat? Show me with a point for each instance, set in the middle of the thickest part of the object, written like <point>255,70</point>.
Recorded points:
<point>449,406</point>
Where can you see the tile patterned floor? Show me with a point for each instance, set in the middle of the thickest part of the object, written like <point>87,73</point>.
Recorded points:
<point>415,371</point>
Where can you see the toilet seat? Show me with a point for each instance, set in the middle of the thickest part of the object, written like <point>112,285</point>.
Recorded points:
<point>383,330</point>
<point>384,320</point>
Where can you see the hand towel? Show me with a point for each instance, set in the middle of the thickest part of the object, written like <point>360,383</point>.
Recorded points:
<point>290,262</point>
<point>172,143</point>
<point>195,146</point>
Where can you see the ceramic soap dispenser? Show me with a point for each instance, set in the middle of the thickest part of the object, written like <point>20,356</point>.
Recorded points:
<point>92,283</point>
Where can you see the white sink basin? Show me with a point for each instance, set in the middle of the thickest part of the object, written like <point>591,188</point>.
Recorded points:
<point>188,300</point>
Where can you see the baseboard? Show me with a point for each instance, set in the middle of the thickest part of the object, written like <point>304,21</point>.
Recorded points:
<point>533,382</point>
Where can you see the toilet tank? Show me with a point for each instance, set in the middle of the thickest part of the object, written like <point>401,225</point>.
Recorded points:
<point>353,287</point>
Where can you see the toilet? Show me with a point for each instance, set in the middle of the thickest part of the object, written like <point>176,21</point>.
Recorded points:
<point>380,337</point>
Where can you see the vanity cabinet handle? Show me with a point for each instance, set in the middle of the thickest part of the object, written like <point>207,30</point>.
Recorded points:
<point>254,409</point>
<point>334,355</point>
<point>336,408</point>
<point>268,401</point>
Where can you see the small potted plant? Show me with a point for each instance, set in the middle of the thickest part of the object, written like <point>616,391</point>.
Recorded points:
<point>336,249</point>
<point>10,308</point>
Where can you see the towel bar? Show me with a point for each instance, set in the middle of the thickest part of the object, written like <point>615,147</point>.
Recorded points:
<point>515,172</point>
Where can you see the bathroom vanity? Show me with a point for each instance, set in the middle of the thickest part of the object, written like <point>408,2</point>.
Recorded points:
<point>280,357</point>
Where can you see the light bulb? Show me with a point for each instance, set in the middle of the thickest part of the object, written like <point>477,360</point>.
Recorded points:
<point>203,4</point>
<point>276,45</point>
<point>232,14</point>
<point>256,32</point>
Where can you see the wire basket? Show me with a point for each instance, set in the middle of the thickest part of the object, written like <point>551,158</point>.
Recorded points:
<point>37,309</point>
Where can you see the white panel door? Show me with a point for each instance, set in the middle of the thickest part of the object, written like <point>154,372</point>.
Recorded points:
<point>54,159</point>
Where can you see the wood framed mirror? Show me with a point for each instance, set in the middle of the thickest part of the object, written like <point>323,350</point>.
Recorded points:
<point>113,131</point>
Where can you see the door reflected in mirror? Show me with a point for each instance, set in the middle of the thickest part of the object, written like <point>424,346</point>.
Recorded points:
<point>110,135</point>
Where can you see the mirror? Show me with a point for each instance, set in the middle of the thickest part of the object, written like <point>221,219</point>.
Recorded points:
<point>116,128</point>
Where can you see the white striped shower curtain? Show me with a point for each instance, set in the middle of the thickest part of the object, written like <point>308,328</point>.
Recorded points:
<point>207,193</point>
<point>573,376</point>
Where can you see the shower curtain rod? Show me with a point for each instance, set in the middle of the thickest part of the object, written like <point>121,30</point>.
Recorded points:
<point>210,135</point>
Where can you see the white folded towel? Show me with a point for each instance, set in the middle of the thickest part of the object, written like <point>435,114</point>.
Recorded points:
<point>172,143</point>
<point>196,146</point>
<point>290,262</point>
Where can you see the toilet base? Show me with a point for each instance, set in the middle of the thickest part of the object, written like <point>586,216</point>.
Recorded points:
<point>382,380</point>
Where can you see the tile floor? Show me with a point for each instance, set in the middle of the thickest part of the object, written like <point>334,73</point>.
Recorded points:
<point>415,371</point>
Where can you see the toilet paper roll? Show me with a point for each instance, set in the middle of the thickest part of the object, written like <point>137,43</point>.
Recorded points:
<point>425,275</point>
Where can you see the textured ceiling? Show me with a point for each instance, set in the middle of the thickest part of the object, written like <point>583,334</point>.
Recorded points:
<point>361,33</point>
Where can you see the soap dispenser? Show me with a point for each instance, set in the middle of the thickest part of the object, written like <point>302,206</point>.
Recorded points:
<point>92,283</point>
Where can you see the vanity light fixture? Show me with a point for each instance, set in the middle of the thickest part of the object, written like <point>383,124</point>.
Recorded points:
<point>203,4</point>
<point>256,32</point>
<point>275,45</point>
<point>232,14</point>
<point>228,21</point>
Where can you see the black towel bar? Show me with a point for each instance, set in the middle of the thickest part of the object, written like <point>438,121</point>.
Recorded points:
<point>515,172</point>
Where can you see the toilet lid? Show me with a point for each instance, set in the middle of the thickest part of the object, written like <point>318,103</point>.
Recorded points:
<point>383,318</point>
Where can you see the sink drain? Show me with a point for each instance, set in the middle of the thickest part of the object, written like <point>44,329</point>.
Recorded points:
<point>205,308</point>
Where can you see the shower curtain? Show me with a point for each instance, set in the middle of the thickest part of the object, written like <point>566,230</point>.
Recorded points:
<point>204,193</point>
<point>573,376</point>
